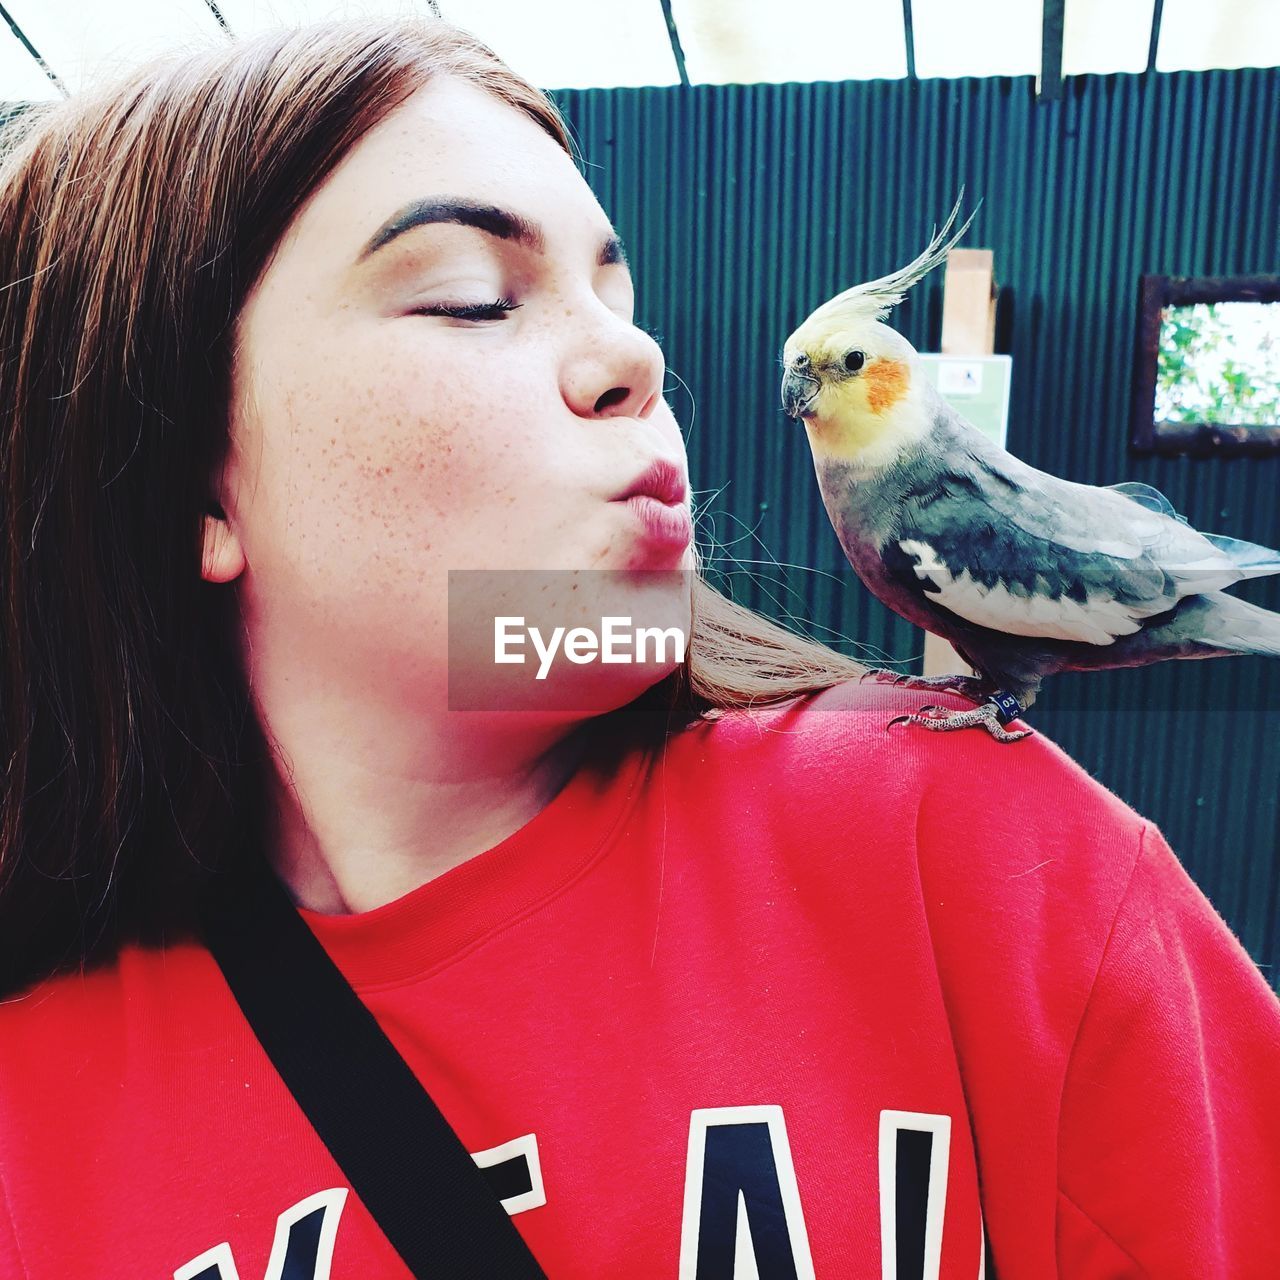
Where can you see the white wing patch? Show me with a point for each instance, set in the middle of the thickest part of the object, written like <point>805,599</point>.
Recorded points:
<point>1099,621</point>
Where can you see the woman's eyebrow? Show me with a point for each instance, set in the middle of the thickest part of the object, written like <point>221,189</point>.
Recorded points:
<point>505,224</point>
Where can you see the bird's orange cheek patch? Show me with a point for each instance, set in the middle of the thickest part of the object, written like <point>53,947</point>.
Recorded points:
<point>886,382</point>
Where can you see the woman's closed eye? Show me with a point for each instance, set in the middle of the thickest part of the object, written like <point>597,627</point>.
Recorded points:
<point>494,310</point>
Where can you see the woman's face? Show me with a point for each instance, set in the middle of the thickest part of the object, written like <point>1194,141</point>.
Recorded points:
<point>378,442</point>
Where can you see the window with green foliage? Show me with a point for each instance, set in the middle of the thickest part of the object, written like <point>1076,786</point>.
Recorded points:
<point>1219,362</point>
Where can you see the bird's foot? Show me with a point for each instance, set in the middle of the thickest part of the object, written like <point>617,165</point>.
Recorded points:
<point>992,715</point>
<point>972,687</point>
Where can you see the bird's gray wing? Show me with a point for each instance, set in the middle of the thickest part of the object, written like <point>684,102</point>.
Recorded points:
<point>1005,546</point>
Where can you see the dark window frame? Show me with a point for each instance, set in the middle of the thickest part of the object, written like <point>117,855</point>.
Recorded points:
<point>1199,439</point>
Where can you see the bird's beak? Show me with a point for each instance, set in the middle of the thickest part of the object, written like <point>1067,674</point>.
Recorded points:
<point>799,390</point>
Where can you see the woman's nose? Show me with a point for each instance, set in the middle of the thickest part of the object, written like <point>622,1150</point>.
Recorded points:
<point>616,371</point>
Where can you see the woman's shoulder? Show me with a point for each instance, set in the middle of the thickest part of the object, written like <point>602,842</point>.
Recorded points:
<point>992,825</point>
<point>1009,855</point>
<point>78,1028</point>
<point>845,733</point>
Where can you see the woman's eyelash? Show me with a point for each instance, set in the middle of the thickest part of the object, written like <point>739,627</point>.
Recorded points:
<point>494,310</point>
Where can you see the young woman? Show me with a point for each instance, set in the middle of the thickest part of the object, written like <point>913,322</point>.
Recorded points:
<point>742,982</point>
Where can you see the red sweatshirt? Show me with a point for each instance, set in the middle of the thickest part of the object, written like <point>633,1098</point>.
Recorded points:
<point>794,996</point>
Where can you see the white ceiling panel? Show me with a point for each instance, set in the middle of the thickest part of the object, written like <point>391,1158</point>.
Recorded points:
<point>1100,37</point>
<point>977,37</point>
<point>250,17</point>
<point>1196,36</point>
<point>85,42</point>
<point>573,44</point>
<point>747,41</point>
<point>561,44</point>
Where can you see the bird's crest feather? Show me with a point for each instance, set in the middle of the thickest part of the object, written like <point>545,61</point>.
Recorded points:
<point>876,298</point>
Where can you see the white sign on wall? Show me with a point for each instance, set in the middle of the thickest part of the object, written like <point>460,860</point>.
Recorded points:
<point>977,388</point>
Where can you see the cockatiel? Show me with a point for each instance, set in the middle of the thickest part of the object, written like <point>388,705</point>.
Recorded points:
<point>1025,574</point>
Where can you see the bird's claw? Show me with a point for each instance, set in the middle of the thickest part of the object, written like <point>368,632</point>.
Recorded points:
<point>941,720</point>
<point>971,687</point>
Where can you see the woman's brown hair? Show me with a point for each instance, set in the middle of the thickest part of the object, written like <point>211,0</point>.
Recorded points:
<point>134,222</point>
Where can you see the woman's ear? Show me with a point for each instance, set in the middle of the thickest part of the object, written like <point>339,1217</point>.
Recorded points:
<point>223,557</point>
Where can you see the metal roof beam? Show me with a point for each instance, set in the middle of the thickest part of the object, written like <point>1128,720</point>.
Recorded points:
<point>674,35</point>
<point>1051,50</point>
<point>1157,16</point>
<point>217,13</point>
<point>31,49</point>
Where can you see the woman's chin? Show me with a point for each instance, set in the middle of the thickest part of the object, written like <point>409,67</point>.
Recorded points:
<point>585,690</point>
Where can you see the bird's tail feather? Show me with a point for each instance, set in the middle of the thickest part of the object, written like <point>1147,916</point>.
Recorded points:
<point>1240,626</point>
<point>1256,561</point>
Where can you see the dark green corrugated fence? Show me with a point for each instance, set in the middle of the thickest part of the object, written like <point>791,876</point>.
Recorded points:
<point>745,206</point>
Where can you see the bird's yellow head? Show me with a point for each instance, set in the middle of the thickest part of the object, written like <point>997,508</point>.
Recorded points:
<point>853,385</point>
<point>854,381</point>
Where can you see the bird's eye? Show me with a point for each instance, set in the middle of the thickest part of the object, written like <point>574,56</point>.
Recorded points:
<point>854,361</point>
<point>801,362</point>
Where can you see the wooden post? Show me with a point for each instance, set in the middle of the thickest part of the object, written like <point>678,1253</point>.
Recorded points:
<point>969,303</point>
<point>968,329</point>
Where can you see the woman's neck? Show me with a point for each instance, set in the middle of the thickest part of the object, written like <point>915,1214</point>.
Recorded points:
<point>364,817</point>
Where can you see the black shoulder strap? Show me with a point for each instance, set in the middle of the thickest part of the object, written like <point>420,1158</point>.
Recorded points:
<point>406,1164</point>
